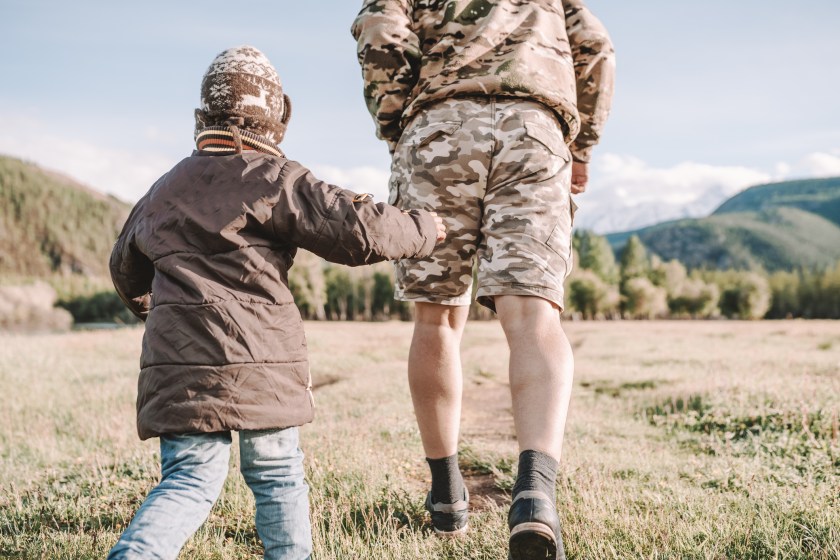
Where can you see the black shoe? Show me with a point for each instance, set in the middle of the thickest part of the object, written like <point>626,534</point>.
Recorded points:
<point>534,528</point>
<point>449,520</point>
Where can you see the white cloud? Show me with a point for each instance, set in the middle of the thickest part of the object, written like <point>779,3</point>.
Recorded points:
<point>822,164</point>
<point>129,174</point>
<point>636,182</point>
<point>627,193</point>
<point>782,169</point>
<point>125,174</point>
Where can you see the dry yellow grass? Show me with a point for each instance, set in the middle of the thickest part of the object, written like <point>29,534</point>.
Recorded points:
<point>685,440</point>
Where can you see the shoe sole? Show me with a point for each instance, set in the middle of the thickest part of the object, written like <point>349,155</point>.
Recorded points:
<point>532,541</point>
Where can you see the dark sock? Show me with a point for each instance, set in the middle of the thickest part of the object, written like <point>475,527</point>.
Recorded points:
<point>447,483</point>
<point>537,471</point>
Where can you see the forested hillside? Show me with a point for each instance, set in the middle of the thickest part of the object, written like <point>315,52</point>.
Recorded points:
<point>781,226</point>
<point>49,224</point>
<point>818,196</point>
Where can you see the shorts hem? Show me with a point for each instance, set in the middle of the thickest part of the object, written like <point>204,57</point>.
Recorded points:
<point>485,294</point>
<point>462,300</point>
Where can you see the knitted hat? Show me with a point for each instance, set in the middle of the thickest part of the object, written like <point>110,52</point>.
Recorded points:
<point>241,87</point>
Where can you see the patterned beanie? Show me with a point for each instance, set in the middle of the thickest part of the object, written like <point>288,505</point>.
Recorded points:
<point>242,88</point>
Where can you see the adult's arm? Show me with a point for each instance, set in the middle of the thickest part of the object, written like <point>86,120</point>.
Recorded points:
<point>594,59</point>
<point>389,53</point>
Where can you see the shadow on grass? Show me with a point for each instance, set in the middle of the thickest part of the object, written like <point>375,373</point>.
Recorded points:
<point>488,479</point>
<point>392,512</point>
<point>617,390</point>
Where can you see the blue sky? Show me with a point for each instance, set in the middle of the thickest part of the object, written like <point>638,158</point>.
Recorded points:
<point>712,96</point>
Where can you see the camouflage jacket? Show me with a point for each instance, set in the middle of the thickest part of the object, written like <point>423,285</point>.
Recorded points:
<point>415,52</point>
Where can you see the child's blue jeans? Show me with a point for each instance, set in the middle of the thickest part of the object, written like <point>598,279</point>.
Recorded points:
<point>193,470</point>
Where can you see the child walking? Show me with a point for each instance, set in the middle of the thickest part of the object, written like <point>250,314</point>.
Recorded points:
<point>203,260</point>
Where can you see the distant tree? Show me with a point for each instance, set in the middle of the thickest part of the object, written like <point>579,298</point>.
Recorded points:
<point>748,297</point>
<point>308,285</point>
<point>595,254</point>
<point>590,296</point>
<point>383,294</point>
<point>831,293</point>
<point>384,306</point>
<point>634,260</point>
<point>785,291</point>
<point>670,275</point>
<point>340,291</point>
<point>810,293</point>
<point>820,293</point>
<point>299,292</point>
<point>694,299</point>
<point>687,297</point>
<point>644,300</point>
<point>363,284</point>
<point>317,286</point>
<point>634,264</point>
<point>101,307</point>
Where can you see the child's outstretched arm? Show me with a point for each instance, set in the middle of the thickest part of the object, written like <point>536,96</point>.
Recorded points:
<point>131,271</point>
<point>347,228</point>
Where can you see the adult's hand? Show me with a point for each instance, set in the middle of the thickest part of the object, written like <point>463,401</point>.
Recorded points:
<point>580,176</point>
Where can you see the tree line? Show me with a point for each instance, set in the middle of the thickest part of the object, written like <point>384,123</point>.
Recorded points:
<point>641,286</point>
<point>636,285</point>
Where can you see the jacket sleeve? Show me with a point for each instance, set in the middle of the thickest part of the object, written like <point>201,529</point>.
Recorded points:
<point>132,271</point>
<point>344,227</point>
<point>594,59</point>
<point>389,53</point>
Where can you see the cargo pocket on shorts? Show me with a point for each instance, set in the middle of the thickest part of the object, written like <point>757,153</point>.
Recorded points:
<point>560,245</point>
<point>397,178</point>
<point>394,187</point>
<point>426,135</point>
<point>551,139</point>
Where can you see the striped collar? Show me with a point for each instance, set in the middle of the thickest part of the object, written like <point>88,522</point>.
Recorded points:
<point>221,139</point>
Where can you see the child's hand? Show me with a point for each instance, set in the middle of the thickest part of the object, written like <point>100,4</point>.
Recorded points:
<point>441,229</point>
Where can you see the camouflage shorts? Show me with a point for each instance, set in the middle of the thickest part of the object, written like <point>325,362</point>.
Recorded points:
<point>498,172</point>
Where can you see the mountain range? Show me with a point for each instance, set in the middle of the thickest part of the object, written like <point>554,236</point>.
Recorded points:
<point>778,226</point>
<point>52,226</point>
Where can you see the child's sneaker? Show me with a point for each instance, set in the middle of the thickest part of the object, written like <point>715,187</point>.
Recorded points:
<point>449,520</point>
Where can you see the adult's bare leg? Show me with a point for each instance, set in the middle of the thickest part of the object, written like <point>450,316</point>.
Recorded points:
<point>434,375</point>
<point>541,371</point>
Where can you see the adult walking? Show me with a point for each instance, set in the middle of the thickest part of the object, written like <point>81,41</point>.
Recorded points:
<point>490,109</point>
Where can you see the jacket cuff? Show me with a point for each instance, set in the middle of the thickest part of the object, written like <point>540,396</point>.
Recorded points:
<point>428,229</point>
<point>581,154</point>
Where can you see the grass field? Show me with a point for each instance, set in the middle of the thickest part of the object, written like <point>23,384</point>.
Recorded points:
<point>685,440</point>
